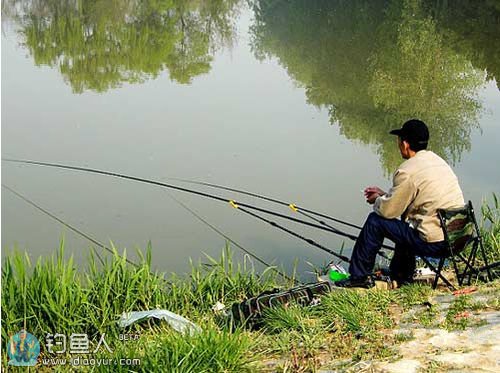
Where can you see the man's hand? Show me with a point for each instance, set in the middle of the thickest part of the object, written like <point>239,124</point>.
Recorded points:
<point>371,193</point>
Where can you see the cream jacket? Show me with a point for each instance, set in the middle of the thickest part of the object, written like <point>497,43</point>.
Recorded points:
<point>421,185</point>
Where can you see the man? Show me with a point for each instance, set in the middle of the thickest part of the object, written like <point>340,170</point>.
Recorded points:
<point>422,184</point>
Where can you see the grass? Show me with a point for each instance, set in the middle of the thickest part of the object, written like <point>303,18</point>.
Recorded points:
<point>361,313</point>
<point>409,296</point>
<point>210,351</point>
<point>54,296</point>
<point>404,336</point>
<point>428,317</point>
<point>490,228</point>
<point>434,367</point>
<point>460,314</point>
<point>292,318</point>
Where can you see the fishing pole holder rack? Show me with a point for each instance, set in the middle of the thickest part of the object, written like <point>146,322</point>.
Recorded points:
<point>250,311</point>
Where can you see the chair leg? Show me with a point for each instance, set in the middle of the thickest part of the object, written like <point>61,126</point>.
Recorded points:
<point>439,275</point>
<point>448,283</point>
<point>483,254</point>
<point>457,271</point>
<point>437,271</point>
<point>469,270</point>
<point>472,262</point>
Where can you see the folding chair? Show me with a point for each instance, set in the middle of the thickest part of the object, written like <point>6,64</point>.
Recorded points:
<point>460,230</point>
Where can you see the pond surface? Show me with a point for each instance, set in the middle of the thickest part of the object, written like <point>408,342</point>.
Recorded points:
<point>289,99</point>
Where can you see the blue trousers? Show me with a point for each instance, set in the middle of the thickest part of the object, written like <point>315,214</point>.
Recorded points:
<point>408,245</point>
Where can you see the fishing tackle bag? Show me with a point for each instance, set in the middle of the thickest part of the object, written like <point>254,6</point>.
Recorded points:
<point>250,310</point>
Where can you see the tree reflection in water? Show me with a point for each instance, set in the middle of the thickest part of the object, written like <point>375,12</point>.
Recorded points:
<point>376,63</point>
<point>372,63</point>
<point>99,44</point>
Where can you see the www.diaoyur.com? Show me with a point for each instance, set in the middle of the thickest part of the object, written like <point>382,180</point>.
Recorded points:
<point>81,361</point>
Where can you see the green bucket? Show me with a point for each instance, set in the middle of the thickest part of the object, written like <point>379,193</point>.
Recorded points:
<point>335,275</point>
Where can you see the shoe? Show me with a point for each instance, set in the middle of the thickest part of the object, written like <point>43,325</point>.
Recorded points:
<point>360,282</point>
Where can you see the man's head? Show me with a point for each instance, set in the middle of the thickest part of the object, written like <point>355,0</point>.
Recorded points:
<point>412,137</point>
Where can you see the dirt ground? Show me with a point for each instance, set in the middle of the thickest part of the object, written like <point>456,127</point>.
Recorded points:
<point>435,349</point>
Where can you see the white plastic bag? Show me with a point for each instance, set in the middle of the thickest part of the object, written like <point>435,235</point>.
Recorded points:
<point>179,323</point>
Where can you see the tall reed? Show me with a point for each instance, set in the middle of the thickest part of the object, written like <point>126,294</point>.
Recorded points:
<point>53,296</point>
<point>490,228</point>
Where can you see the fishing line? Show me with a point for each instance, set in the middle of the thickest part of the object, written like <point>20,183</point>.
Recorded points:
<point>218,231</point>
<point>101,245</point>
<point>293,206</point>
<point>308,240</point>
<point>203,194</point>
<point>158,183</point>
<point>352,237</point>
<point>67,225</point>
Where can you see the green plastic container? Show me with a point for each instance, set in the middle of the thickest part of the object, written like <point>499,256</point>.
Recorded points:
<point>336,275</point>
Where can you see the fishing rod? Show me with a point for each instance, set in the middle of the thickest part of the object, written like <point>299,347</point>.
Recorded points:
<point>175,187</point>
<point>218,231</point>
<point>308,240</point>
<point>292,206</point>
<point>102,246</point>
<point>233,203</point>
<point>305,212</point>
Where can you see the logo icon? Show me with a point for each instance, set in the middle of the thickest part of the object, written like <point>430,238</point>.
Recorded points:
<point>23,349</point>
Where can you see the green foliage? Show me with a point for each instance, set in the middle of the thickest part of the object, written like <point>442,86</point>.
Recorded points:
<point>222,280</point>
<point>416,74</point>
<point>404,336</point>
<point>98,45</point>
<point>471,28</point>
<point>210,351</point>
<point>360,313</point>
<point>412,295</point>
<point>376,64</point>
<point>336,328</point>
<point>297,333</point>
<point>460,304</point>
<point>428,317</point>
<point>490,228</point>
<point>54,297</point>
<point>434,366</point>
<point>459,315</point>
<point>278,319</point>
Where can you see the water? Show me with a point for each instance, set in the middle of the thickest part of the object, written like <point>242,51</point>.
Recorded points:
<point>292,101</point>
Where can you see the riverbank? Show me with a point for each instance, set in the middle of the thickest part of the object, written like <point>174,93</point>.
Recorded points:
<point>372,330</point>
<point>348,330</point>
